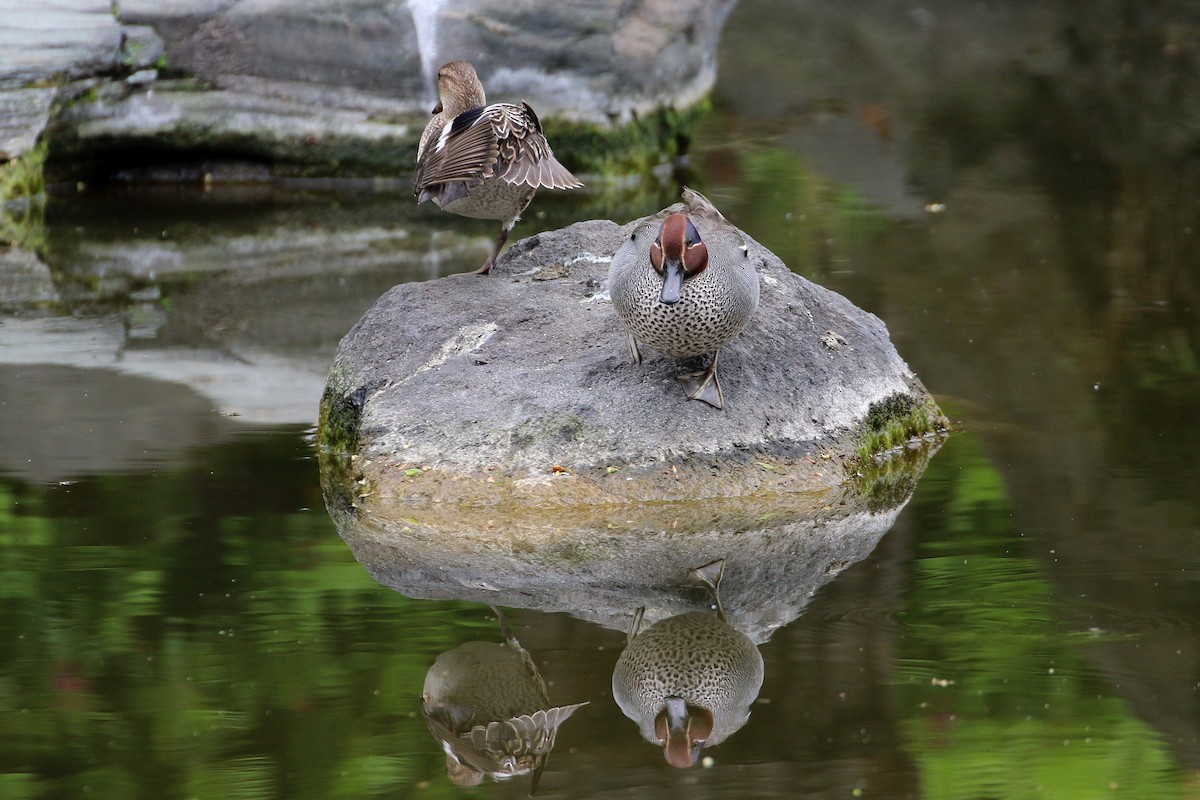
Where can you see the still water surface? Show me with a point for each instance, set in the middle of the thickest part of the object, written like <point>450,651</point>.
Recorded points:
<point>180,617</point>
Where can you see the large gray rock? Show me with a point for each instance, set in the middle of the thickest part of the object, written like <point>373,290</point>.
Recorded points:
<point>595,61</point>
<point>40,45</point>
<point>297,130</point>
<point>56,39</point>
<point>518,387</point>
<point>598,62</point>
<point>347,85</point>
<point>357,45</point>
<point>23,116</point>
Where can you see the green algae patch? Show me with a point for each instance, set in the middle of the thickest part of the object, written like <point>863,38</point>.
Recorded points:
<point>633,148</point>
<point>897,420</point>
<point>338,421</point>
<point>22,200</point>
<point>24,176</point>
<point>886,483</point>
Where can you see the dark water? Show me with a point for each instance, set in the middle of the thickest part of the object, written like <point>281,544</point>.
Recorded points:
<point>180,618</point>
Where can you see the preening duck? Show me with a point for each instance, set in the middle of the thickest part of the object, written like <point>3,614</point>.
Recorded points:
<point>484,161</point>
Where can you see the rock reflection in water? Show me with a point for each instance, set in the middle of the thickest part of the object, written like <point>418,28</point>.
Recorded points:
<point>688,681</point>
<point>488,706</point>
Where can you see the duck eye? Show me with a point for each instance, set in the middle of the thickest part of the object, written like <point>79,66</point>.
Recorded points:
<point>692,235</point>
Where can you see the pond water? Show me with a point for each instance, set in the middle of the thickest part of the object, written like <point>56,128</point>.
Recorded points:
<point>181,618</point>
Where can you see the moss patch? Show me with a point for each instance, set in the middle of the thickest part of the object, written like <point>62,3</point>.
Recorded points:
<point>895,420</point>
<point>628,149</point>
<point>24,176</point>
<point>339,420</point>
<point>22,200</point>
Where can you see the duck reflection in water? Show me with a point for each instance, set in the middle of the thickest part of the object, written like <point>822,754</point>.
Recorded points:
<point>688,681</point>
<point>487,705</point>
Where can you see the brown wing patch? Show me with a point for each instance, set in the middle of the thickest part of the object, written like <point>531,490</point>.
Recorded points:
<point>524,155</point>
<point>469,155</point>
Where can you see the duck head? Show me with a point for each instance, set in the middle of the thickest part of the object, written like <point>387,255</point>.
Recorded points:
<point>683,729</point>
<point>459,89</point>
<point>677,254</point>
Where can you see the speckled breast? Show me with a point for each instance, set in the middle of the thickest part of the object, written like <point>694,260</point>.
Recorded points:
<point>713,307</point>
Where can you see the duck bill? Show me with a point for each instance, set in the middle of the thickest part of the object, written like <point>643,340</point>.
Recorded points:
<point>672,287</point>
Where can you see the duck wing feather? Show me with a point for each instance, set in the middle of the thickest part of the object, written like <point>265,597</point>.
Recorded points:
<point>500,140</point>
<point>525,155</point>
<point>701,205</point>
<point>466,150</point>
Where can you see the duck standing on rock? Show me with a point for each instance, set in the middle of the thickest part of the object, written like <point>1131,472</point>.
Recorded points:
<point>483,161</point>
<point>688,681</point>
<point>684,284</point>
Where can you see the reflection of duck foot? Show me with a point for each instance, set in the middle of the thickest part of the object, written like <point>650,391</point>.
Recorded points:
<point>505,631</point>
<point>710,576</point>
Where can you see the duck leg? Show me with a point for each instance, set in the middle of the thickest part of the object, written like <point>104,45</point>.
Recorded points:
<point>634,353</point>
<point>704,386</point>
<point>501,238</point>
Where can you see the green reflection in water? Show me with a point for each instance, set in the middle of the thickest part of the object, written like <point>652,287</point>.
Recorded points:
<point>202,631</point>
<point>1000,701</point>
<point>820,218</point>
<point>185,635</point>
<point>807,220</point>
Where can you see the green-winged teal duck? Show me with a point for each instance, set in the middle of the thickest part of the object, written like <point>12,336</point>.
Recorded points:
<point>483,161</point>
<point>487,704</point>
<point>684,283</point>
<point>688,681</point>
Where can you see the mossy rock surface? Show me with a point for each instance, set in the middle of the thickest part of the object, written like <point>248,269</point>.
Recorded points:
<point>515,392</point>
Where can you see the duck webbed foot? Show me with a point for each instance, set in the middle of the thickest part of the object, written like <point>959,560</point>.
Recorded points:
<point>704,386</point>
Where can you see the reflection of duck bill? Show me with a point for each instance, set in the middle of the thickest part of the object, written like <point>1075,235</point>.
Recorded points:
<point>682,729</point>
